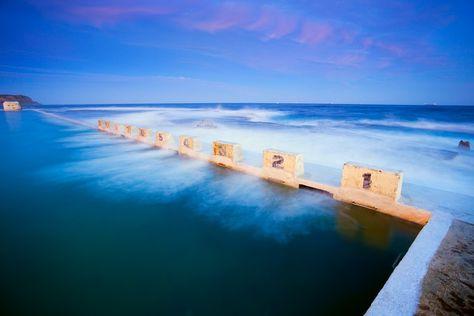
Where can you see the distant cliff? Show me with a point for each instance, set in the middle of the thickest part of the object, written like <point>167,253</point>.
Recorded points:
<point>22,99</point>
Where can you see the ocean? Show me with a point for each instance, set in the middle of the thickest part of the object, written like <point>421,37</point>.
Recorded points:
<point>92,223</point>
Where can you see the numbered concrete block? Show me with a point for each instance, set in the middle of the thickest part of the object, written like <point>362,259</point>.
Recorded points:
<point>164,140</point>
<point>189,145</point>
<point>117,128</point>
<point>282,167</point>
<point>226,154</point>
<point>378,181</point>
<point>11,106</point>
<point>107,126</point>
<point>128,131</point>
<point>144,135</point>
<point>101,125</point>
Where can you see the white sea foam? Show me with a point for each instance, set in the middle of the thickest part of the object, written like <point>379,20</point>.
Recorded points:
<point>429,160</point>
<point>129,169</point>
<point>424,124</point>
<point>251,114</point>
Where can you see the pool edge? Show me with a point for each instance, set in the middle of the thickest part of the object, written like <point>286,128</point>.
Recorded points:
<point>400,294</point>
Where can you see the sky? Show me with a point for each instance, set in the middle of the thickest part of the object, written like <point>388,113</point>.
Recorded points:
<point>143,51</point>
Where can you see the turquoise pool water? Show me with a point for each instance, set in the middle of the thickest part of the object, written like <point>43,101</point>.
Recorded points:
<point>92,224</point>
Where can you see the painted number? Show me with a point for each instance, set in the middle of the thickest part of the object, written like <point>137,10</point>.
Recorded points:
<point>221,150</point>
<point>367,180</point>
<point>278,161</point>
<point>187,143</point>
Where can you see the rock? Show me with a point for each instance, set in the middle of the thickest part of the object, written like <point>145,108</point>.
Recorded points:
<point>464,144</point>
<point>205,124</point>
<point>22,99</point>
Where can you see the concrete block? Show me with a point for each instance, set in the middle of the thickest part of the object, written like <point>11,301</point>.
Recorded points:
<point>164,140</point>
<point>117,128</point>
<point>11,106</point>
<point>382,182</point>
<point>144,135</point>
<point>128,131</point>
<point>101,125</point>
<point>107,126</point>
<point>188,145</point>
<point>226,154</point>
<point>282,167</point>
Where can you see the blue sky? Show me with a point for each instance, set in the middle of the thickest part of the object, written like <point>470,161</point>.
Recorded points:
<point>122,51</point>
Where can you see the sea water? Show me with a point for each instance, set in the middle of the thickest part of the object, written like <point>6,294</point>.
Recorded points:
<point>96,224</point>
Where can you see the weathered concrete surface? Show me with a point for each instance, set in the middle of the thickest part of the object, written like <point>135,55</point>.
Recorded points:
<point>144,135</point>
<point>101,125</point>
<point>128,131</point>
<point>226,154</point>
<point>164,140</point>
<point>189,145</point>
<point>401,292</point>
<point>11,106</point>
<point>382,204</point>
<point>117,128</point>
<point>448,286</point>
<point>378,181</point>
<point>282,167</point>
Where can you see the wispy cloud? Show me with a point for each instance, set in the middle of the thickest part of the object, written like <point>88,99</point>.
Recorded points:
<point>314,32</point>
<point>343,27</point>
<point>220,17</point>
<point>102,15</point>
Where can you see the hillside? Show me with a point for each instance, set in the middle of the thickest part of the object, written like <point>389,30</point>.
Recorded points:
<point>23,99</point>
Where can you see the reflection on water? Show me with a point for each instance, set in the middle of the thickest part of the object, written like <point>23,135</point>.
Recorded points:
<point>370,227</point>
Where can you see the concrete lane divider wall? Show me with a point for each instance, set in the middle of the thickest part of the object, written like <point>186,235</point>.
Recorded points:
<point>189,145</point>
<point>164,140</point>
<point>226,154</point>
<point>282,167</point>
<point>379,190</point>
<point>368,187</point>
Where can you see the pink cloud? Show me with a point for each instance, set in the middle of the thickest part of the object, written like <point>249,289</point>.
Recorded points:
<point>352,59</point>
<point>264,22</point>
<point>314,33</point>
<point>274,23</point>
<point>101,15</point>
<point>348,35</point>
<point>392,48</point>
<point>225,16</point>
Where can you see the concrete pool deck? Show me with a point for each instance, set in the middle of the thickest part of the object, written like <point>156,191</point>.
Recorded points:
<point>436,274</point>
<point>448,287</point>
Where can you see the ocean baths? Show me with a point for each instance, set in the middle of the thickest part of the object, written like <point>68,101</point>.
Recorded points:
<point>368,187</point>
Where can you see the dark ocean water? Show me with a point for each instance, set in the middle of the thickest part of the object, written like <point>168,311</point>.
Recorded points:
<point>92,224</point>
